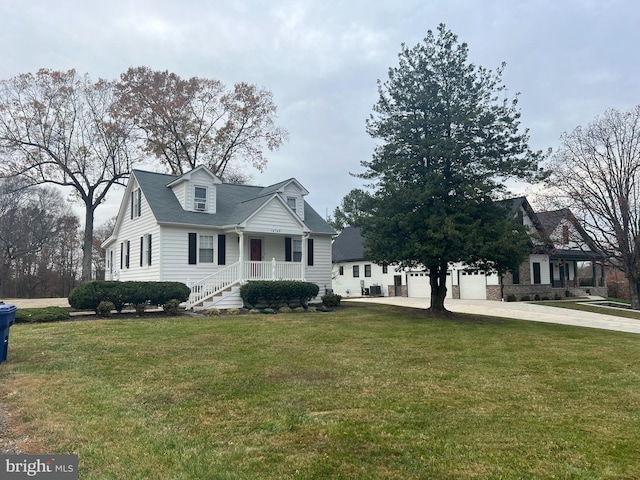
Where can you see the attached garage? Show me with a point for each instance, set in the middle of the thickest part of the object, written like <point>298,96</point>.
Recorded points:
<point>418,285</point>
<point>473,285</point>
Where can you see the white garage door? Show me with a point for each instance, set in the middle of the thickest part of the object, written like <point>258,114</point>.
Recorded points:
<point>473,285</point>
<point>418,285</point>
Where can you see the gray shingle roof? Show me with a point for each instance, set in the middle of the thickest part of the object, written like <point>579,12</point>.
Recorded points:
<point>234,203</point>
<point>348,246</point>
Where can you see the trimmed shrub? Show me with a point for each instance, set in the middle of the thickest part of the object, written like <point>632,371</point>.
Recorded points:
<point>88,295</point>
<point>172,306</point>
<point>104,309</point>
<point>38,315</point>
<point>277,293</point>
<point>331,300</point>
<point>213,312</point>
<point>233,311</point>
<point>511,298</point>
<point>139,307</point>
<point>299,309</point>
<point>285,309</point>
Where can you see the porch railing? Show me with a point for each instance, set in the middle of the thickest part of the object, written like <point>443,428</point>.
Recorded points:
<point>213,284</point>
<point>273,270</point>
<point>206,288</point>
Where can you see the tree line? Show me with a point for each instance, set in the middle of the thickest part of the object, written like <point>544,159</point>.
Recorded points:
<point>39,242</point>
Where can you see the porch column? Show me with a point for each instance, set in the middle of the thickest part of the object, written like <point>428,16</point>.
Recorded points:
<point>303,260</point>
<point>304,255</point>
<point>241,255</point>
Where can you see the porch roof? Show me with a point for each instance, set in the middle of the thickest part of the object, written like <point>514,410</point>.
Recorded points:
<point>577,255</point>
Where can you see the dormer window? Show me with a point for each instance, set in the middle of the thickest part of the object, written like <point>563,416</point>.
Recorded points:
<point>291,201</point>
<point>200,199</point>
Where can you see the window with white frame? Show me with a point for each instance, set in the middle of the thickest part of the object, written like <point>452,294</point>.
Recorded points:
<point>110,262</point>
<point>205,249</point>
<point>136,203</point>
<point>291,201</point>
<point>145,244</point>
<point>200,199</point>
<point>297,250</point>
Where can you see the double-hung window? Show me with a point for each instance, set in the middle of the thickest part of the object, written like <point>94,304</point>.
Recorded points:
<point>145,250</point>
<point>205,249</point>
<point>297,250</point>
<point>136,203</point>
<point>200,199</point>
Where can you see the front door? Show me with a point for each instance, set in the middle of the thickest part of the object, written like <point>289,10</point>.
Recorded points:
<point>397,283</point>
<point>255,245</point>
<point>256,249</point>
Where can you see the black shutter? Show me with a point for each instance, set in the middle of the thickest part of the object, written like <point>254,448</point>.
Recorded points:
<point>139,202</point>
<point>310,251</point>
<point>131,209</point>
<point>121,254</point>
<point>287,249</point>
<point>141,250</point>
<point>192,248</point>
<point>222,253</point>
<point>149,251</point>
<point>128,253</point>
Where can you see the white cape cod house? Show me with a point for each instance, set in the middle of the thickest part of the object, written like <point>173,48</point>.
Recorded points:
<point>214,236</point>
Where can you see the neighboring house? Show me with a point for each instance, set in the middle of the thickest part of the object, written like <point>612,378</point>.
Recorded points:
<point>558,248</point>
<point>214,236</point>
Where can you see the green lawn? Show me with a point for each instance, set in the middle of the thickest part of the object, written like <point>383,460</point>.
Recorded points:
<point>368,391</point>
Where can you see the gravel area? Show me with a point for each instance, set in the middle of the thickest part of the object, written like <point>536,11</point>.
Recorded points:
<point>8,443</point>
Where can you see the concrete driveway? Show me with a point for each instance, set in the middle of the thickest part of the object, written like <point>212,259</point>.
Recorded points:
<point>520,311</point>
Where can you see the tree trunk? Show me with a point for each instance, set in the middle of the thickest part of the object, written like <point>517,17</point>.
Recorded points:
<point>87,241</point>
<point>438,282</point>
<point>634,292</point>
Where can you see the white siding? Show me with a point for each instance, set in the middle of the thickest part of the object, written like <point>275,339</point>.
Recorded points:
<point>292,191</point>
<point>179,191</point>
<point>543,260</point>
<point>131,230</point>
<point>349,286</point>
<point>320,271</point>
<point>274,218</point>
<point>575,239</point>
<point>175,254</point>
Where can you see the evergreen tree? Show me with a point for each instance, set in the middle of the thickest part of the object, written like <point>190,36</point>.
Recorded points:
<point>449,138</point>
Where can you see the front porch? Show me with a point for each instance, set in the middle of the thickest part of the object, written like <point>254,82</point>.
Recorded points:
<point>577,272</point>
<point>222,288</point>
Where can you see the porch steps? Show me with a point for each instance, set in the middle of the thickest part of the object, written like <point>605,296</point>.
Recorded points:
<point>229,298</point>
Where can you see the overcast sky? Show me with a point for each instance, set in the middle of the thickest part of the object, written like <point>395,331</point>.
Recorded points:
<point>569,59</point>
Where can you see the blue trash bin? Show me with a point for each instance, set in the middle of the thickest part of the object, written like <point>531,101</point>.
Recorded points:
<point>7,317</point>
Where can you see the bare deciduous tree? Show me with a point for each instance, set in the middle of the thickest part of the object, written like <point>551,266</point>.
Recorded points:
<point>596,172</point>
<point>198,121</point>
<point>60,128</point>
